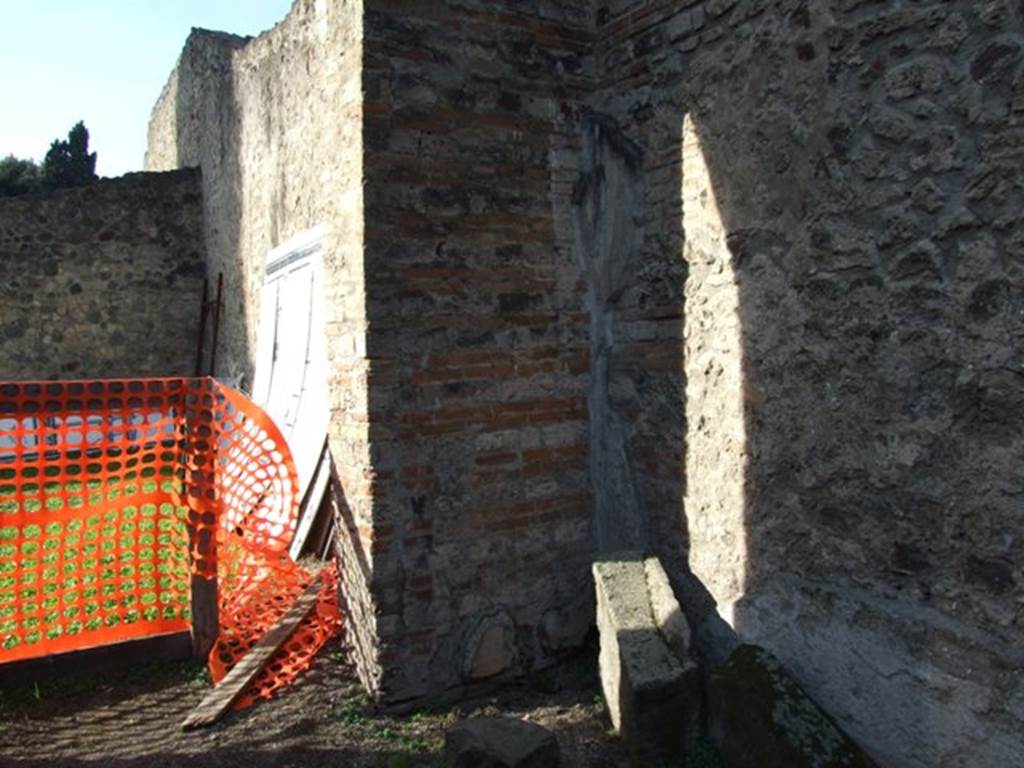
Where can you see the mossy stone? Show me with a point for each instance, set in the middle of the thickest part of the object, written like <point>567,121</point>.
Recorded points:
<point>760,718</point>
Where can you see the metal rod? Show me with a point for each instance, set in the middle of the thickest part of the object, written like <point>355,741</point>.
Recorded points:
<point>216,323</point>
<point>202,329</point>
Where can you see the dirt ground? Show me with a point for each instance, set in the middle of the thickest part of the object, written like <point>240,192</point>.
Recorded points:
<point>133,721</point>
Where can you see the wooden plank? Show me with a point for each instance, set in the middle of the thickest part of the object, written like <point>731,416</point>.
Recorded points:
<point>100,660</point>
<point>325,543</point>
<point>220,699</point>
<point>312,509</point>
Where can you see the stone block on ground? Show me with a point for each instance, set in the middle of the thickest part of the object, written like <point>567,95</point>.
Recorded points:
<point>760,718</point>
<point>653,695</point>
<point>500,742</point>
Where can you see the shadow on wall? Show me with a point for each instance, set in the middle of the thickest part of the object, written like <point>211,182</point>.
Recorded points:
<point>208,136</point>
<point>360,621</point>
<point>638,389</point>
<point>853,405</point>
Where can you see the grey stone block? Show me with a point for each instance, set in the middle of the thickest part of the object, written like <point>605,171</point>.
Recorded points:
<point>500,742</point>
<point>653,695</point>
<point>668,616</point>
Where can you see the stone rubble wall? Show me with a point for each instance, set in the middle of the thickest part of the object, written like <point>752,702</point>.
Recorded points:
<point>807,358</point>
<point>275,122</point>
<point>102,281</point>
<point>193,126</point>
<point>837,184</point>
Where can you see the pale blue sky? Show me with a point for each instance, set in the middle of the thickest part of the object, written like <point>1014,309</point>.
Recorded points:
<point>104,62</point>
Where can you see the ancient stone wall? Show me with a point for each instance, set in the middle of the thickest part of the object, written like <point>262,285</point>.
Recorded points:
<point>737,279</point>
<point>275,122</point>
<point>472,376</point>
<point>478,337</point>
<point>838,185</point>
<point>102,281</point>
<point>194,120</point>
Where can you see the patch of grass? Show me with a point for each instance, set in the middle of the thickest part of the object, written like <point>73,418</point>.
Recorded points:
<point>412,741</point>
<point>20,699</point>
<point>352,712</point>
<point>409,742</point>
<point>337,653</point>
<point>200,676</point>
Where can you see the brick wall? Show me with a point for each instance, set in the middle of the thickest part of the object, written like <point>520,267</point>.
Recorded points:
<point>477,339</point>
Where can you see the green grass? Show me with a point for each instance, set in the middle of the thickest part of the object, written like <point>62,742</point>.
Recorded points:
<point>413,741</point>
<point>353,712</point>
<point>51,566</point>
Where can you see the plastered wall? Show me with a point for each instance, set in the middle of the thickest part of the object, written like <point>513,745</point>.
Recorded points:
<point>839,185</point>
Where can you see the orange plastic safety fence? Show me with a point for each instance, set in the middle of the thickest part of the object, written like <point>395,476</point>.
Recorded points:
<point>113,493</point>
<point>93,538</point>
<point>257,488</point>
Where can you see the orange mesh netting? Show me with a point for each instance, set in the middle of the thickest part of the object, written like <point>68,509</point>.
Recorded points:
<point>113,493</point>
<point>257,490</point>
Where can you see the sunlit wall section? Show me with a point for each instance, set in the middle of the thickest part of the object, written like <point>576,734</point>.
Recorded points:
<point>716,455</point>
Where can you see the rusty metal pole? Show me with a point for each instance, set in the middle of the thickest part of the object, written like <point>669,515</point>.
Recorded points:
<point>202,328</point>
<point>216,323</point>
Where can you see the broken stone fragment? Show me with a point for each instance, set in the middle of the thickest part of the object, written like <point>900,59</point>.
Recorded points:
<point>760,718</point>
<point>500,742</point>
<point>491,647</point>
<point>562,629</point>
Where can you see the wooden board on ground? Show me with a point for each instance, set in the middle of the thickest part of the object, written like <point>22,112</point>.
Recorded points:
<point>220,699</point>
